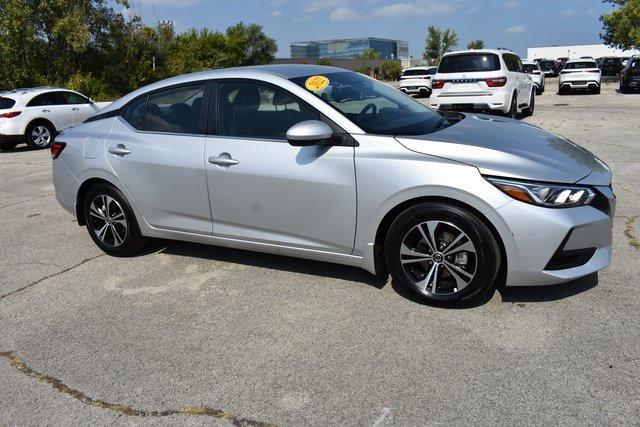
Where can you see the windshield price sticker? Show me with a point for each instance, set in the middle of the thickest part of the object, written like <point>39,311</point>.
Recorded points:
<point>316,83</point>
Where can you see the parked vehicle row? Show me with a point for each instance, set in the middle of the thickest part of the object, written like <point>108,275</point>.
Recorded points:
<point>35,116</point>
<point>483,80</point>
<point>265,158</point>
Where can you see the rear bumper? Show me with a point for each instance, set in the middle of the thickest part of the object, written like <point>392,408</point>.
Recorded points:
<point>580,84</point>
<point>450,101</point>
<point>415,90</point>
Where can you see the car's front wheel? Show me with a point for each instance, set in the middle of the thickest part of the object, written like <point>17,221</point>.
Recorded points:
<point>40,135</point>
<point>111,222</point>
<point>442,253</point>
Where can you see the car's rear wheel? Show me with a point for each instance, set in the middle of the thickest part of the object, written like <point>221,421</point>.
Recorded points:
<point>513,109</point>
<point>40,135</point>
<point>111,222</point>
<point>532,105</point>
<point>596,91</point>
<point>442,253</point>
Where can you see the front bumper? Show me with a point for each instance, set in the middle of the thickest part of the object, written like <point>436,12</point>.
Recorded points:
<point>481,102</point>
<point>547,246</point>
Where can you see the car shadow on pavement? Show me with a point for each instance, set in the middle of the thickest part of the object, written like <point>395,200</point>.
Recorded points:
<point>19,149</point>
<point>273,262</point>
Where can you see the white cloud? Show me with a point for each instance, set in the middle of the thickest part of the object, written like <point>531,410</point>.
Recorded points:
<point>345,14</point>
<point>516,29</point>
<point>418,7</point>
<point>318,5</point>
<point>276,13</point>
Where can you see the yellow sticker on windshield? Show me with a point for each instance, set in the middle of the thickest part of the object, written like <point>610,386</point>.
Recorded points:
<point>316,83</point>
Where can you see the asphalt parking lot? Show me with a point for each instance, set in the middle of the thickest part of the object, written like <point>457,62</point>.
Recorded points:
<point>193,334</point>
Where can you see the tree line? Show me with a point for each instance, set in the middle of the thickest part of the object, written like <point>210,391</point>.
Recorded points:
<point>88,46</point>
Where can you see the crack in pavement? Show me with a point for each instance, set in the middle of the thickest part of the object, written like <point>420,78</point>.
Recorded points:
<point>49,276</point>
<point>26,201</point>
<point>628,231</point>
<point>18,363</point>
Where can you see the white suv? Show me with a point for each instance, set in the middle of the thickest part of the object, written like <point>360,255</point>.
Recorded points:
<point>35,116</point>
<point>417,80</point>
<point>580,73</point>
<point>483,80</point>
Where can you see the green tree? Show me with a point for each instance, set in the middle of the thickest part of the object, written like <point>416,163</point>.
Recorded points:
<point>475,44</point>
<point>437,43</point>
<point>390,70</point>
<point>258,47</point>
<point>621,27</point>
<point>368,54</point>
<point>324,61</point>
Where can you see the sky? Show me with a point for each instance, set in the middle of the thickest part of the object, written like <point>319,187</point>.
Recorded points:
<point>513,24</point>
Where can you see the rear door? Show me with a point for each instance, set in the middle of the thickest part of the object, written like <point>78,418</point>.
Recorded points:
<point>264,190</point>
<point>156,149</point>
<point>53,107</point>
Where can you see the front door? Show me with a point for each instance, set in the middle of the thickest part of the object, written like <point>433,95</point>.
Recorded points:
<point>156,150</point>
<point>265,190</point>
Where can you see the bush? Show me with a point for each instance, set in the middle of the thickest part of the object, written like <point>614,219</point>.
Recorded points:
<point>364,70</point>
<point>390,70</point>
<point>95,88</point>
<point>324,61</point>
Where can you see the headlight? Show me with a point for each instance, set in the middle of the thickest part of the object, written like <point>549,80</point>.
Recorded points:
<point>544,194</point>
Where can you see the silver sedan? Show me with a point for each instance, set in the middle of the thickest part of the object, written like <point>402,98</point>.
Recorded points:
<point>321,163</point>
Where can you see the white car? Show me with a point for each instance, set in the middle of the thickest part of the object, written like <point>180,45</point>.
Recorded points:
<point>483,80</point>
<point>35,116</point>
<point>580,73</point>
<point>536,74</point>
<point>417,80</point>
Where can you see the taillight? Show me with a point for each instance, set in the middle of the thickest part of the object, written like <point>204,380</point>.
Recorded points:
<point>497,82</point>
<point>437,84</point>
<point>56,149</point>
<point>10,115</point>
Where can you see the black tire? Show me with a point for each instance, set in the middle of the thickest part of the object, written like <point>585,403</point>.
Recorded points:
<point>513,108</point>
<point>539,90</point>
<point>597,91</point>
<point>528,112</point>
<point>40,128</point>
<point>122,235</point>
<point>487,258</point>
<point>562,91</point>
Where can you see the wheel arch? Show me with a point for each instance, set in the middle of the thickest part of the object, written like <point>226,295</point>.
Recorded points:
<point>391,215</point>
<point>82,192</point>
<point>40,120</point>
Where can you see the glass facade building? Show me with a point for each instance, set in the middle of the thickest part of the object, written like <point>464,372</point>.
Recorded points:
<point>349,48</point>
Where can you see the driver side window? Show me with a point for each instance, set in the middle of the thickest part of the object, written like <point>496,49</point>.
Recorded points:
<point>257,110</point>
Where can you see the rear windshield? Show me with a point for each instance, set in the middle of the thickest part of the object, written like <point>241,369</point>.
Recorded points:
<point>419,72</point>
<point>529,68</point>
<point>6,103</point>
<point>469,62</point>
<point>547,65</point>
<point>580,65</point>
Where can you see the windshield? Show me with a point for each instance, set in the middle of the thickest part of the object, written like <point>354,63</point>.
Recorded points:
<point>375,107</point>
<point>469,62</point>
<point>419,72</point>
<point>6,103</point>
<point>580,65</point>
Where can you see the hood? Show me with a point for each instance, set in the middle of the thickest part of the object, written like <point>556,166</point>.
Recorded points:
<point>506,148</point>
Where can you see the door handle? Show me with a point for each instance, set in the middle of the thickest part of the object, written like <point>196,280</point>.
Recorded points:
<point>46,111</point>
<point>223,159</point>
<point>75,109</point>
<point>119,150</point>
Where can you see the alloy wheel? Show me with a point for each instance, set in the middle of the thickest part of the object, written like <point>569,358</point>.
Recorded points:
<point>438,258</point>
<point>41,136</point>
<point>108,221</point>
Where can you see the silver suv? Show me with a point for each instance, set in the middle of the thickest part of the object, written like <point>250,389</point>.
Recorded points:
<point>322,163</point>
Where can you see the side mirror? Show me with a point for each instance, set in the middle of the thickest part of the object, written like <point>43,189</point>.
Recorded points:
<point>310,132</point>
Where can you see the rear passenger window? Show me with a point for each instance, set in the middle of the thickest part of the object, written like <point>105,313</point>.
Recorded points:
<point>256,110</point>
<point>134,113</point>
<point>176,110</point>
<point>45,99</point>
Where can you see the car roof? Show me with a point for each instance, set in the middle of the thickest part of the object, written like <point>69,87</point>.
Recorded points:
<point>286,71</point>
<point>580,60</point>
<point>494,51</point>
<point>421,67</point>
